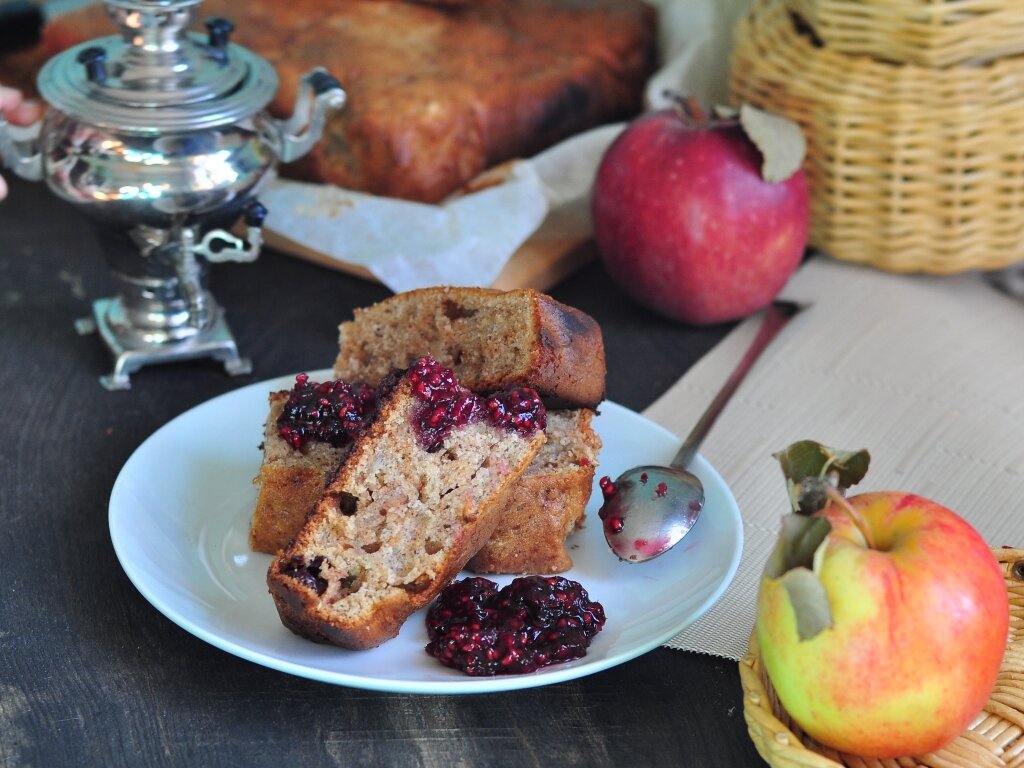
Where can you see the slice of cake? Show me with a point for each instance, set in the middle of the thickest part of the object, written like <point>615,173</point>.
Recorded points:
<point>418,495</point>
<point>491,339</point>
<point>547,503</point>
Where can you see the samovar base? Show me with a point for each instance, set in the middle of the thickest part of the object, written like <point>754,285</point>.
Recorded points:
<point>132,350</point>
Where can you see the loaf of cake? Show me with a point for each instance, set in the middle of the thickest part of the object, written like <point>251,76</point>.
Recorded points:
<point>437,92</point>
<point>491,339</point>
<point>547,503</point>
<point>418,495</point>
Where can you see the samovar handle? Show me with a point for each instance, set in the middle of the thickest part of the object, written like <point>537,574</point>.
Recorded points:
<point>22,155</point>
<point>319,93</point>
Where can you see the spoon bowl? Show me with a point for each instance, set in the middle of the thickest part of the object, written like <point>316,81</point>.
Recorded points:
<point>649,509</point>
<point>678,497</point>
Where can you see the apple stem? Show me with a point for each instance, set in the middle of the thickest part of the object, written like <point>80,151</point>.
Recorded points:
<point>837,498</point>
<point>688,107</point>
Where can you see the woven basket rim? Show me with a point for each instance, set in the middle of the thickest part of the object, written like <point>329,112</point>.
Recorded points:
<point>787,749</point>
<point>935,33</point>
<point>854,67</point>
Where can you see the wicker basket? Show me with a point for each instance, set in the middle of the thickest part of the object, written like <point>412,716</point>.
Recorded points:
<point>911,169</point>
<point>994,740</point>
<point>930,33</point>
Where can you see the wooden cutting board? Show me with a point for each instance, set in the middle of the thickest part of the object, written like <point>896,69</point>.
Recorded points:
<point>540,263</point>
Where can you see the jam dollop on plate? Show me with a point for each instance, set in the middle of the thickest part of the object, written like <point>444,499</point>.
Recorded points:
<point>531,623</point>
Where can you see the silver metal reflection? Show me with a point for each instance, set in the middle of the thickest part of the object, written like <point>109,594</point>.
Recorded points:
<point>162,134</point>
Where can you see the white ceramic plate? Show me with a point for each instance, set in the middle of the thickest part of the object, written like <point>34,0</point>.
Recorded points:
<point>179,516</point>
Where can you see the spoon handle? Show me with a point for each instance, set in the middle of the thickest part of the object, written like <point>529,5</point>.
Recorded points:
<point>775,318</point>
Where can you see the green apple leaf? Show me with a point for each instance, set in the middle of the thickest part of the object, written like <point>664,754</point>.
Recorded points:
<point>796,562</point>
<point>781,142</point>
<point>809,467</point>
<point>810,603</point>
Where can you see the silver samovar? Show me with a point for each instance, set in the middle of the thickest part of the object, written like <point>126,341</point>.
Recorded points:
<point>162,135</point>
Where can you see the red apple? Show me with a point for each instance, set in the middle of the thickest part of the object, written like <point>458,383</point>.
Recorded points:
<point>915,633</point>
<point>686,224</point>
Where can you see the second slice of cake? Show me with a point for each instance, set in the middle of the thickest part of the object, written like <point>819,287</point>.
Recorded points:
<point>547,503</point>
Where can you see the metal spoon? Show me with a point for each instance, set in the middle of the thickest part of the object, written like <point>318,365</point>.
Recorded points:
<point>649,509</point>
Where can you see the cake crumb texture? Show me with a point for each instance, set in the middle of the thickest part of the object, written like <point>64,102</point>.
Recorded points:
<point>289,484</point>
<point>547,504</point>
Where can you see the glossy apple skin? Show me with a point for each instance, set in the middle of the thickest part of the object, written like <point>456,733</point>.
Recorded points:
<point>920,629</point>
<point>686,225</point>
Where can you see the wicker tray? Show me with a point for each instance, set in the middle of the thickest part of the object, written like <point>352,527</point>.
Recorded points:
<point>995,739</point>
<point>931,33</point>
<point>910,168</point>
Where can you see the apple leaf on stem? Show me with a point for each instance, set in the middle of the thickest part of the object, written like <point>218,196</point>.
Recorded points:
<point>815,476</point>
<point>796,562</point>
<point>781,142</point>
<point>810,468</point>
<point>799,543</point>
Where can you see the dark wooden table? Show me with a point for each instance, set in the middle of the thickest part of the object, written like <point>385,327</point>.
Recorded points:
<point>91,674</point>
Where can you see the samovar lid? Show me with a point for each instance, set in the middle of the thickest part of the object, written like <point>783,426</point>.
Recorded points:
<point>157,76</point>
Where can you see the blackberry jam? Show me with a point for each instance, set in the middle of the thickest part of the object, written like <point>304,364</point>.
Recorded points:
<point>446,405</point>
<point>333,412</point>
<point>533,622</point>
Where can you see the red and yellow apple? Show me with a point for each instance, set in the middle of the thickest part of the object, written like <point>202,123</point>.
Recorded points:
<point>914,631</point>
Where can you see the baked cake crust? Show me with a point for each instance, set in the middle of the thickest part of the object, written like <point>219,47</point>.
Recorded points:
<point>437,93</point>
<point>491,339</point>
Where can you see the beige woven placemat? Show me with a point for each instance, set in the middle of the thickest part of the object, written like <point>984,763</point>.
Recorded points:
<point>925,372</point>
